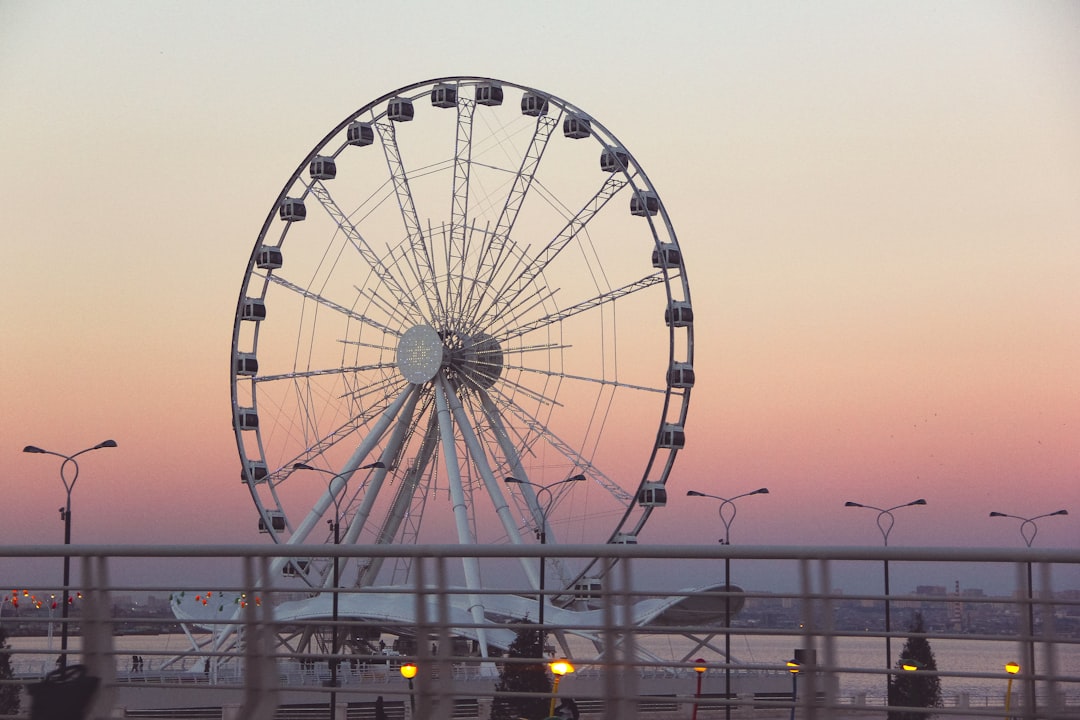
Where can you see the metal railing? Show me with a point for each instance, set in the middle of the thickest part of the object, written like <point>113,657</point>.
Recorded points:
<point>248,661</point>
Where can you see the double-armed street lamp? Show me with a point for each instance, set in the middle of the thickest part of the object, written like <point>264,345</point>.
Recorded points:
<point>727,516</point>
<point>65,514</point>
<point>1028,530</point>
<point>541,533</point>
<point>885,522</point>
<point>336,493</point>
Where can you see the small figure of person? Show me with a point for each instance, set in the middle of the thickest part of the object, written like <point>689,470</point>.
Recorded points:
<point>380,709</point>
<point>567,710</point>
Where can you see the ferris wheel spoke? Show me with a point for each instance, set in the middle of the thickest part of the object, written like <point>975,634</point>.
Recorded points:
<point>374,262</point>
<point>302,374</point>
<point>614,384</point>
<point>459,210</point>
<point>423,262</point>
<point>573,457</point>
<point>593,302</point>
<point>519,283</point>
<point>493,256</point>
<point>326,302</point>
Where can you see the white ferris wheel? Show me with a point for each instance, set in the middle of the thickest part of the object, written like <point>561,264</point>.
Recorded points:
<point>466,280</point>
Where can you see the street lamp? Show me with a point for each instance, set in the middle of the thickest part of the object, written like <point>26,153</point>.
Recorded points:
<point>727,516</point>
<point>65,515</point>
<point>336,526</point>
<point>885,522</point>
<point>1028,530</point>
<point>542,533</point>
<point>700,669</point>
<point>558,668</point>
<point>793,667</point>
<point>1010,668</point>
<point>408,671</point>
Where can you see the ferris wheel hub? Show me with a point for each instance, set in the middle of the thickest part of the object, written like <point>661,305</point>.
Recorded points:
<point>420,354</point>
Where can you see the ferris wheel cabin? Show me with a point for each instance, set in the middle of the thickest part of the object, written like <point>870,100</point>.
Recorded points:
<point>444,96</point>
<point>666,256</point>
<point>576,127</point>
<point>614,160</point>
<point>277,521</point>
<point>247,418</point>
<point>652,494</point>
<point>489,94</point>
<point>644,204</point>
<point>680,375</point>
<point>254,309</point>
<point>322,168</point>
<point>246,364</point>
<point>292,210</point>
<point>254,471</point>
<point>400,110</point>
<point>268,257</point>
<point>672,436</point>
<point>360,134</point>
<point>624,539</point>
<point>534,105</point>
<point>679,314</point>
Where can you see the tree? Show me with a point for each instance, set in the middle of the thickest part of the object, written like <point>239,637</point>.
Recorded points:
<point>917,688</point>
<point>9,692</point>
<point>523,677</point>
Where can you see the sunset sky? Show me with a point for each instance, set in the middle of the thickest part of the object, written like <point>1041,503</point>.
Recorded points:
<point>879,206</point>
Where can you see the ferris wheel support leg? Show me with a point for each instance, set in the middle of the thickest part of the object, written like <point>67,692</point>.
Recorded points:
<point>480,459</point>
<point>362,451</point>
<point>512,457</point>
<point>461,511</point>
<point>359,519</point>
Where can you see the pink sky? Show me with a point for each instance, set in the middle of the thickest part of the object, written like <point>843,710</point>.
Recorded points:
<point>878,206</point>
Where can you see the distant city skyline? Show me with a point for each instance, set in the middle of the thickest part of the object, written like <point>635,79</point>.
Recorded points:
<point>877,203</point>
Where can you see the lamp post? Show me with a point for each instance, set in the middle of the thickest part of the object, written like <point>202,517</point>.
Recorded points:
<point>885,522</point>
<point>65,515</point>
<point>408,671</point>
<point>700,669</point>
<point>542,534</point>
<point>336,526</point>
<point>558,668</point>
<point>1010,668</point>
<point>793,667</point>
<point>1028,530</point>
<point>727,516</point>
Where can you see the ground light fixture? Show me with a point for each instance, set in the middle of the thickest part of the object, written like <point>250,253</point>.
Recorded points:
<point>700,669</point>
<point>794,667</point>
<point>558,668</point>
<point>408,671</point>
<point>1011,668</point>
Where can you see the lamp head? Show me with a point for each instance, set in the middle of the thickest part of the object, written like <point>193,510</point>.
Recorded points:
<point>853,504</point>
<point>575,478</point>
<point>920,501</point>
<point>408,671</point>
<point>910,664</point>
<point>1012,668</point>
<point>105,444</point>
<point>997,514</point>
<point>761,491</point>
<point>377,465</point>
<point>700,666</point>
<point>302,466</point>
<point>32,449</point>
<point>561,667</point>
<point>793,667</point>
<point>695,493</point>
<point>1059,512</point>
